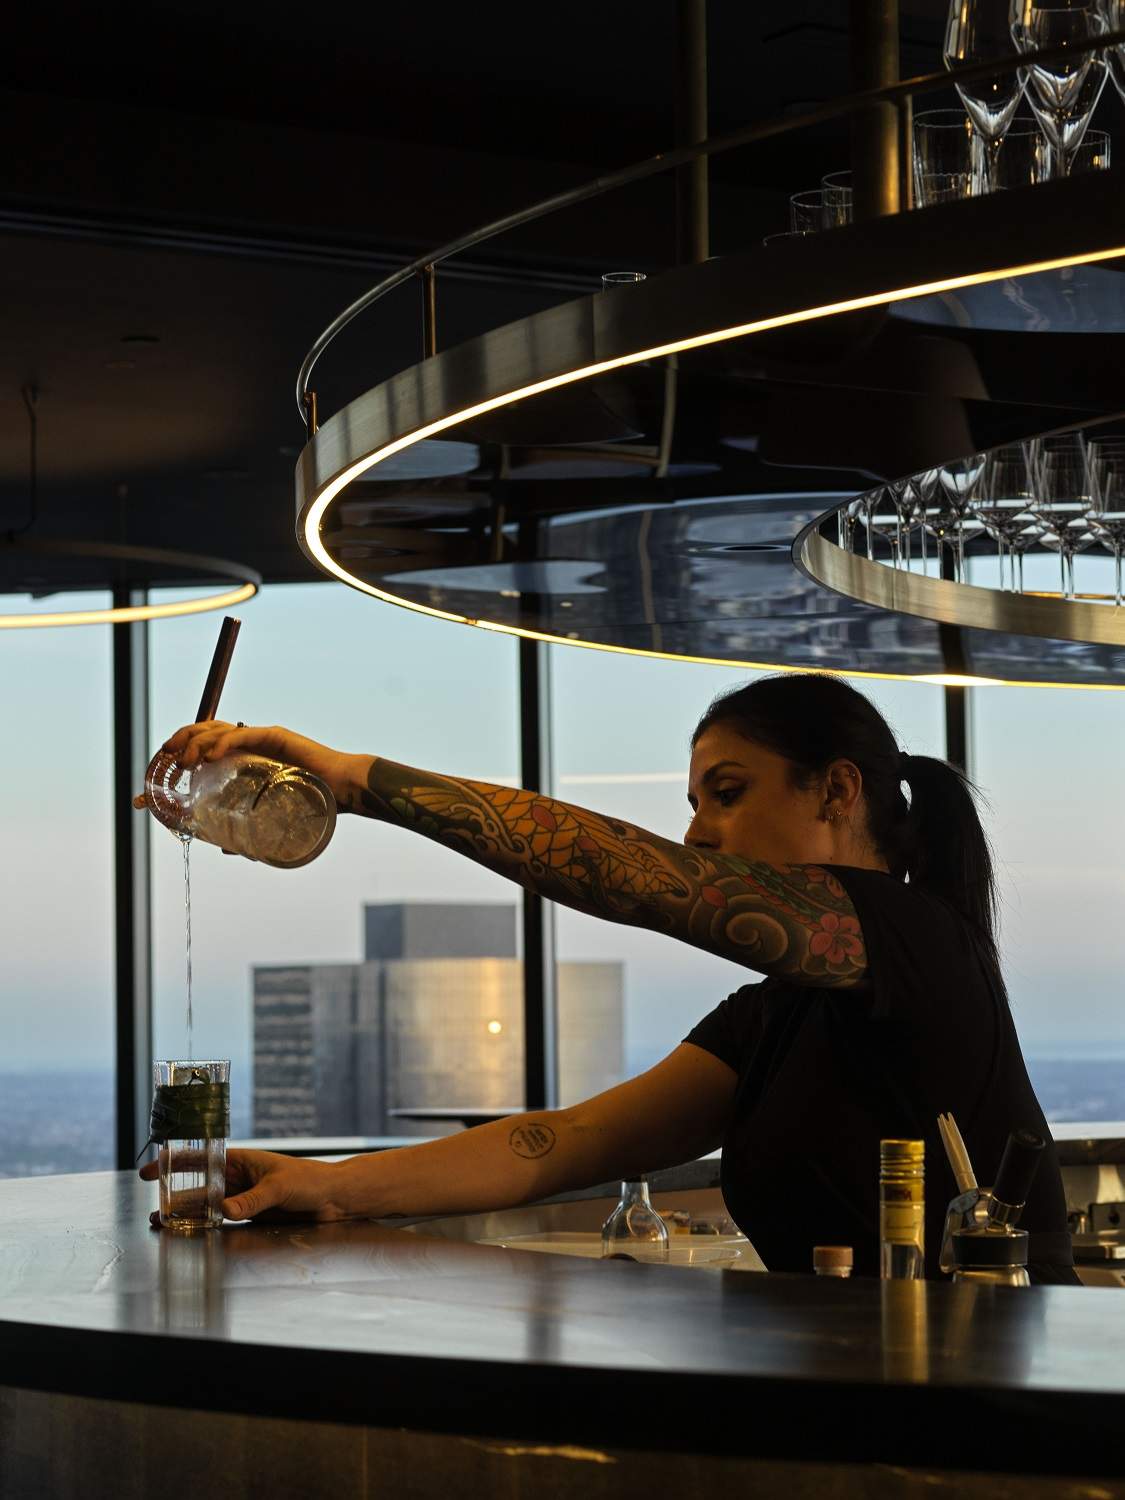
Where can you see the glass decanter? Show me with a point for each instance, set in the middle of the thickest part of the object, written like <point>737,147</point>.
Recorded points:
<point>634,1230</point>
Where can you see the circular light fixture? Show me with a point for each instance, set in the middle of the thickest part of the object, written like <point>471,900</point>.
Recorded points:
<point>190,563</point>
<point>889,262</point>
<point>18,545</point>
<point>960,604</point>
<point>495,1027</point>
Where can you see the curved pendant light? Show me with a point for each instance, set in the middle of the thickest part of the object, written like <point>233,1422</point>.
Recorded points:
<point>246,580</point>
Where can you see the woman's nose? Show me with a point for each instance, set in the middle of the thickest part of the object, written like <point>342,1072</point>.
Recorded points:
<point>698,836</point>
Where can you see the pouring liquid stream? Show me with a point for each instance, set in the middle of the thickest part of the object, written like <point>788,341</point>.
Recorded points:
<point>185,839</point>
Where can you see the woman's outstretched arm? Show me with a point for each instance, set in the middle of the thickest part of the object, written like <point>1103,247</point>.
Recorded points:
<point>675,1112</point>
<point>796,921</point>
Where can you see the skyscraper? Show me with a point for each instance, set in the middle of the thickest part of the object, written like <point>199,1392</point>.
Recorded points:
<point>433,1016</point>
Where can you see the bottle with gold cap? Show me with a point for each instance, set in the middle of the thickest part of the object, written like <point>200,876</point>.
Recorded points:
<point>902,1210</point>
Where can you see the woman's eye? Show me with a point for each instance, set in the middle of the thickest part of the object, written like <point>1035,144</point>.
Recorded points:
<point>727,794</point>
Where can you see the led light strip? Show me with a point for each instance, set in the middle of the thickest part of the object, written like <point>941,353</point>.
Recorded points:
<point>316,510</point>
<point>128,614</point>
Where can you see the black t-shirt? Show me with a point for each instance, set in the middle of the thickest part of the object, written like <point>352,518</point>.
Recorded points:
<point>824,1075</point>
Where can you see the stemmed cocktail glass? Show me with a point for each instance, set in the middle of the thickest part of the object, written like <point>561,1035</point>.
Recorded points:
<point>957,482</point>
<point>1062,499</point>
<point>882,519</point>
<point>976,31</point>
<point>1003,503</point>
<point>1061,94</point>
<point>1106,459</point>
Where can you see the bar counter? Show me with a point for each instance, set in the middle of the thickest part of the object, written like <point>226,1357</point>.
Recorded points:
<point>340,1356</point>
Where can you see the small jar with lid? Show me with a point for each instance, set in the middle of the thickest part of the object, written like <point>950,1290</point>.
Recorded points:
<point>832,1260</point>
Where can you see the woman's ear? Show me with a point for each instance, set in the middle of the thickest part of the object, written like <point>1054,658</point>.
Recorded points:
<point>843,786</point>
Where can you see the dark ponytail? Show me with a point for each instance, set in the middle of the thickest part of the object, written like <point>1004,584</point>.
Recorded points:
<point>935,840</point>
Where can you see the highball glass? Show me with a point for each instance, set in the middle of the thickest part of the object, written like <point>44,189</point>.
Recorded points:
<point>947,157</point>
<point>806,212</point>
<point>192,1169</point>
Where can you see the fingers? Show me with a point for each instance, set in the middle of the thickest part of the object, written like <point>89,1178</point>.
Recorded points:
<point>150,1171</point>
<point>212,740</point>
<point>182,738</point>
<point>196,742</point>
<point>265,1194</point>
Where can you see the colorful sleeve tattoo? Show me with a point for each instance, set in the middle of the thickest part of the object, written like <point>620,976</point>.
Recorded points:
<point>796,921</point>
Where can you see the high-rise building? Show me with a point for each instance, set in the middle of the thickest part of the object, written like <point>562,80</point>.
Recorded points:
<point>433,1016</point>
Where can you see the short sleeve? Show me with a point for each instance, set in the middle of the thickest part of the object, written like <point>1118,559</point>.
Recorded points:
<point>920,952</point>
<point>730,1031</point>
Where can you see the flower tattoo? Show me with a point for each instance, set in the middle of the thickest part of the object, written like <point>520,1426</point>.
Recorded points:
<point>836,938</point>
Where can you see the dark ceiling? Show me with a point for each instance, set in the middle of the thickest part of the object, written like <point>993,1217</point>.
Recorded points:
<point>191,191</point>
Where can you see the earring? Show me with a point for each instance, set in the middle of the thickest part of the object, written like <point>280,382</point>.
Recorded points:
<point>832,815</point>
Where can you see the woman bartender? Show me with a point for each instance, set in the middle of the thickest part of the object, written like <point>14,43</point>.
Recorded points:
<point>871,913</point>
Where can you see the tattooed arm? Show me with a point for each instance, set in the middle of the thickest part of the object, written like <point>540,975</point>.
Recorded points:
<point>795,921</point>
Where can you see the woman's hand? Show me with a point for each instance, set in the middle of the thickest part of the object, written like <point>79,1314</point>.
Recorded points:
<point>213,739</point>
<point>269,1185</point>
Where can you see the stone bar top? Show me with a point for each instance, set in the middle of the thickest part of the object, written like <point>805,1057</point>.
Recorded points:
<point>367,1323</point>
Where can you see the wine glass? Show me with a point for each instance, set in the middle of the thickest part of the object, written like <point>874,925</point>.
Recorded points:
<point>1063,94</point>
<point>925,488</point>
<point>903,496</point>
<point>882,519</point>
<point>846,519</point>
<point>1062,499</point>
<point>1020,542</point>
<point>957,484</point>
<point>1112,13</point>
<point>1106,458</point>
<point>1003,503</point>
<point>976,31</point>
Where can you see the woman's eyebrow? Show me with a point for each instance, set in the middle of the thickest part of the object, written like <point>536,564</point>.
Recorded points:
<point>712,774</point>
<point>720,765</point>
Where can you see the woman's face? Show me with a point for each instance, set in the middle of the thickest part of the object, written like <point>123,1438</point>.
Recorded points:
<point>743,801</point>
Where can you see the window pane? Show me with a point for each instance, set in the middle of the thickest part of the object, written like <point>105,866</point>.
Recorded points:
<point>56,896</point>
<point>1047,759</point>
<point>340,1041</point>
<point>622,727</point>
